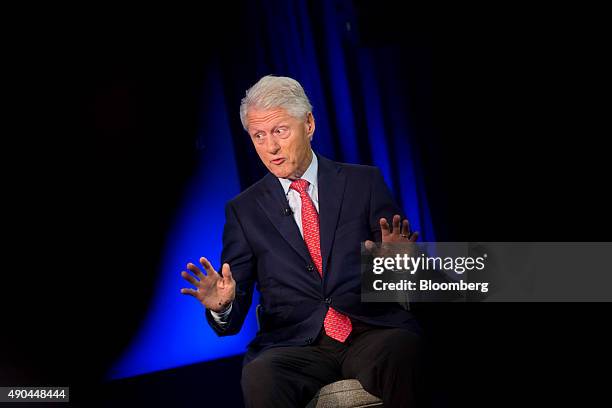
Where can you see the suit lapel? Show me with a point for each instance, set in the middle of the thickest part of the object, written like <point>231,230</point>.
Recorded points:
<point>272,202</point>
<point>331,182</point>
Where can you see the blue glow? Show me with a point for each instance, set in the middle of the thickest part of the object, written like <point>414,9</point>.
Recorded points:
<point>175,331</point>
<point>374,119</point>
<point>340,87</point>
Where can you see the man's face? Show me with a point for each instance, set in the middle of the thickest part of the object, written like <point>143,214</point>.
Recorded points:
<point>281,141</point>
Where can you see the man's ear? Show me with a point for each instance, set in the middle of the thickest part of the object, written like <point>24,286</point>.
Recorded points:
<point>310,124</point>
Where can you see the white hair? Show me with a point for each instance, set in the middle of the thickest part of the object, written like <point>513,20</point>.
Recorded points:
<point>276,92</point>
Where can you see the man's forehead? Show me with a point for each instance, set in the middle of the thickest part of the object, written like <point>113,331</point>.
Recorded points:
<point>266,116</point>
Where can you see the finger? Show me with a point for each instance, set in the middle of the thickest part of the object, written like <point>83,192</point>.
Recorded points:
<point>384,227</point>
<point>227,273</point>
<point>414,236</point>
<point>189,278</point>
<point>406,228</point>
<point>396,224</point>
<point>189,291</point>
<point>196,271</point>
<point>207,265</point>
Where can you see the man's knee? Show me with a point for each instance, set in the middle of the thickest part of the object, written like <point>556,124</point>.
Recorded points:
<point>258,373</point>
<point>387,352</point>
<point>268,371</point>
<point>394,368</point>
<point>268,381</point>
<point>403,347</point>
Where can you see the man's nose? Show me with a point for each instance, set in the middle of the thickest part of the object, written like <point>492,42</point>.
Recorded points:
<point>272,145</point>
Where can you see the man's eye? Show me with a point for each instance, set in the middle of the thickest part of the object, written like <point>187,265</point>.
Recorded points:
<point>280,131</point>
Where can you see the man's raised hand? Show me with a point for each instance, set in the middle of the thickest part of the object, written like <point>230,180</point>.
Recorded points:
<point>215,291</point>
<point>400,233</point>
<point>397,234</point>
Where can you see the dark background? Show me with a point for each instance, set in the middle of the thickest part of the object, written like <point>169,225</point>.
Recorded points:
<point>509,122</point>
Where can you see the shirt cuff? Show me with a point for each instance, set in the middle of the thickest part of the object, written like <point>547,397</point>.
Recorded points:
<point>222,318</point>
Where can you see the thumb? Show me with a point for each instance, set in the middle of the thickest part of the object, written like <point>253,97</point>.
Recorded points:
<point>369,246</point>
<point>226,272</point>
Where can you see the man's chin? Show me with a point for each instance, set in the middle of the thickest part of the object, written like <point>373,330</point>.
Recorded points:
<point>280,173</point>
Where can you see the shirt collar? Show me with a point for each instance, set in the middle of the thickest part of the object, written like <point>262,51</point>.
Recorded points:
<point>310,175</point>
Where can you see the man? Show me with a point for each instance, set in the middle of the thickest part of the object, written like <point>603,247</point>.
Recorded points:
<point>297,233</point>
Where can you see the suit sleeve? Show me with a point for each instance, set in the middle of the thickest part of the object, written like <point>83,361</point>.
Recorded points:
<point>238,254</point>
<point>382,204</point>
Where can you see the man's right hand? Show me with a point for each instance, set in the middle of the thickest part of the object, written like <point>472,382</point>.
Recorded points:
<point>215,291</point>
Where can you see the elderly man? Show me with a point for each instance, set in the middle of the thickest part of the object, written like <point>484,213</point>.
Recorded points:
<point>297,233</point>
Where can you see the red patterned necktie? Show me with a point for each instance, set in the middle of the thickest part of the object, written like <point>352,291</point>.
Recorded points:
<point>337,326</point>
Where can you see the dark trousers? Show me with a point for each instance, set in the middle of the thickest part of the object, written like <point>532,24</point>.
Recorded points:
<point>387,362</point>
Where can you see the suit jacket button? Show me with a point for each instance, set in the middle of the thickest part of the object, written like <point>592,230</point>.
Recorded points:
<point>309,340</point>
<point>310,268</point>
<point>328,301</point>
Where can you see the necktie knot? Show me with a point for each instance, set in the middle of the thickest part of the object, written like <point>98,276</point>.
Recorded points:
<point>299,185</point>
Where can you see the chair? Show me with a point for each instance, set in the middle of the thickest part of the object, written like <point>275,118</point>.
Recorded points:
<point>340,394</point>
<point>344,394</point>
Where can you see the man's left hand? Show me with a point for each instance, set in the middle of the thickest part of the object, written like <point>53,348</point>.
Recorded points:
<point>400,233</point>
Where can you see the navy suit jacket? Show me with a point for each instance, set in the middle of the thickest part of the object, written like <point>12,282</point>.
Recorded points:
<point>263,246</point>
